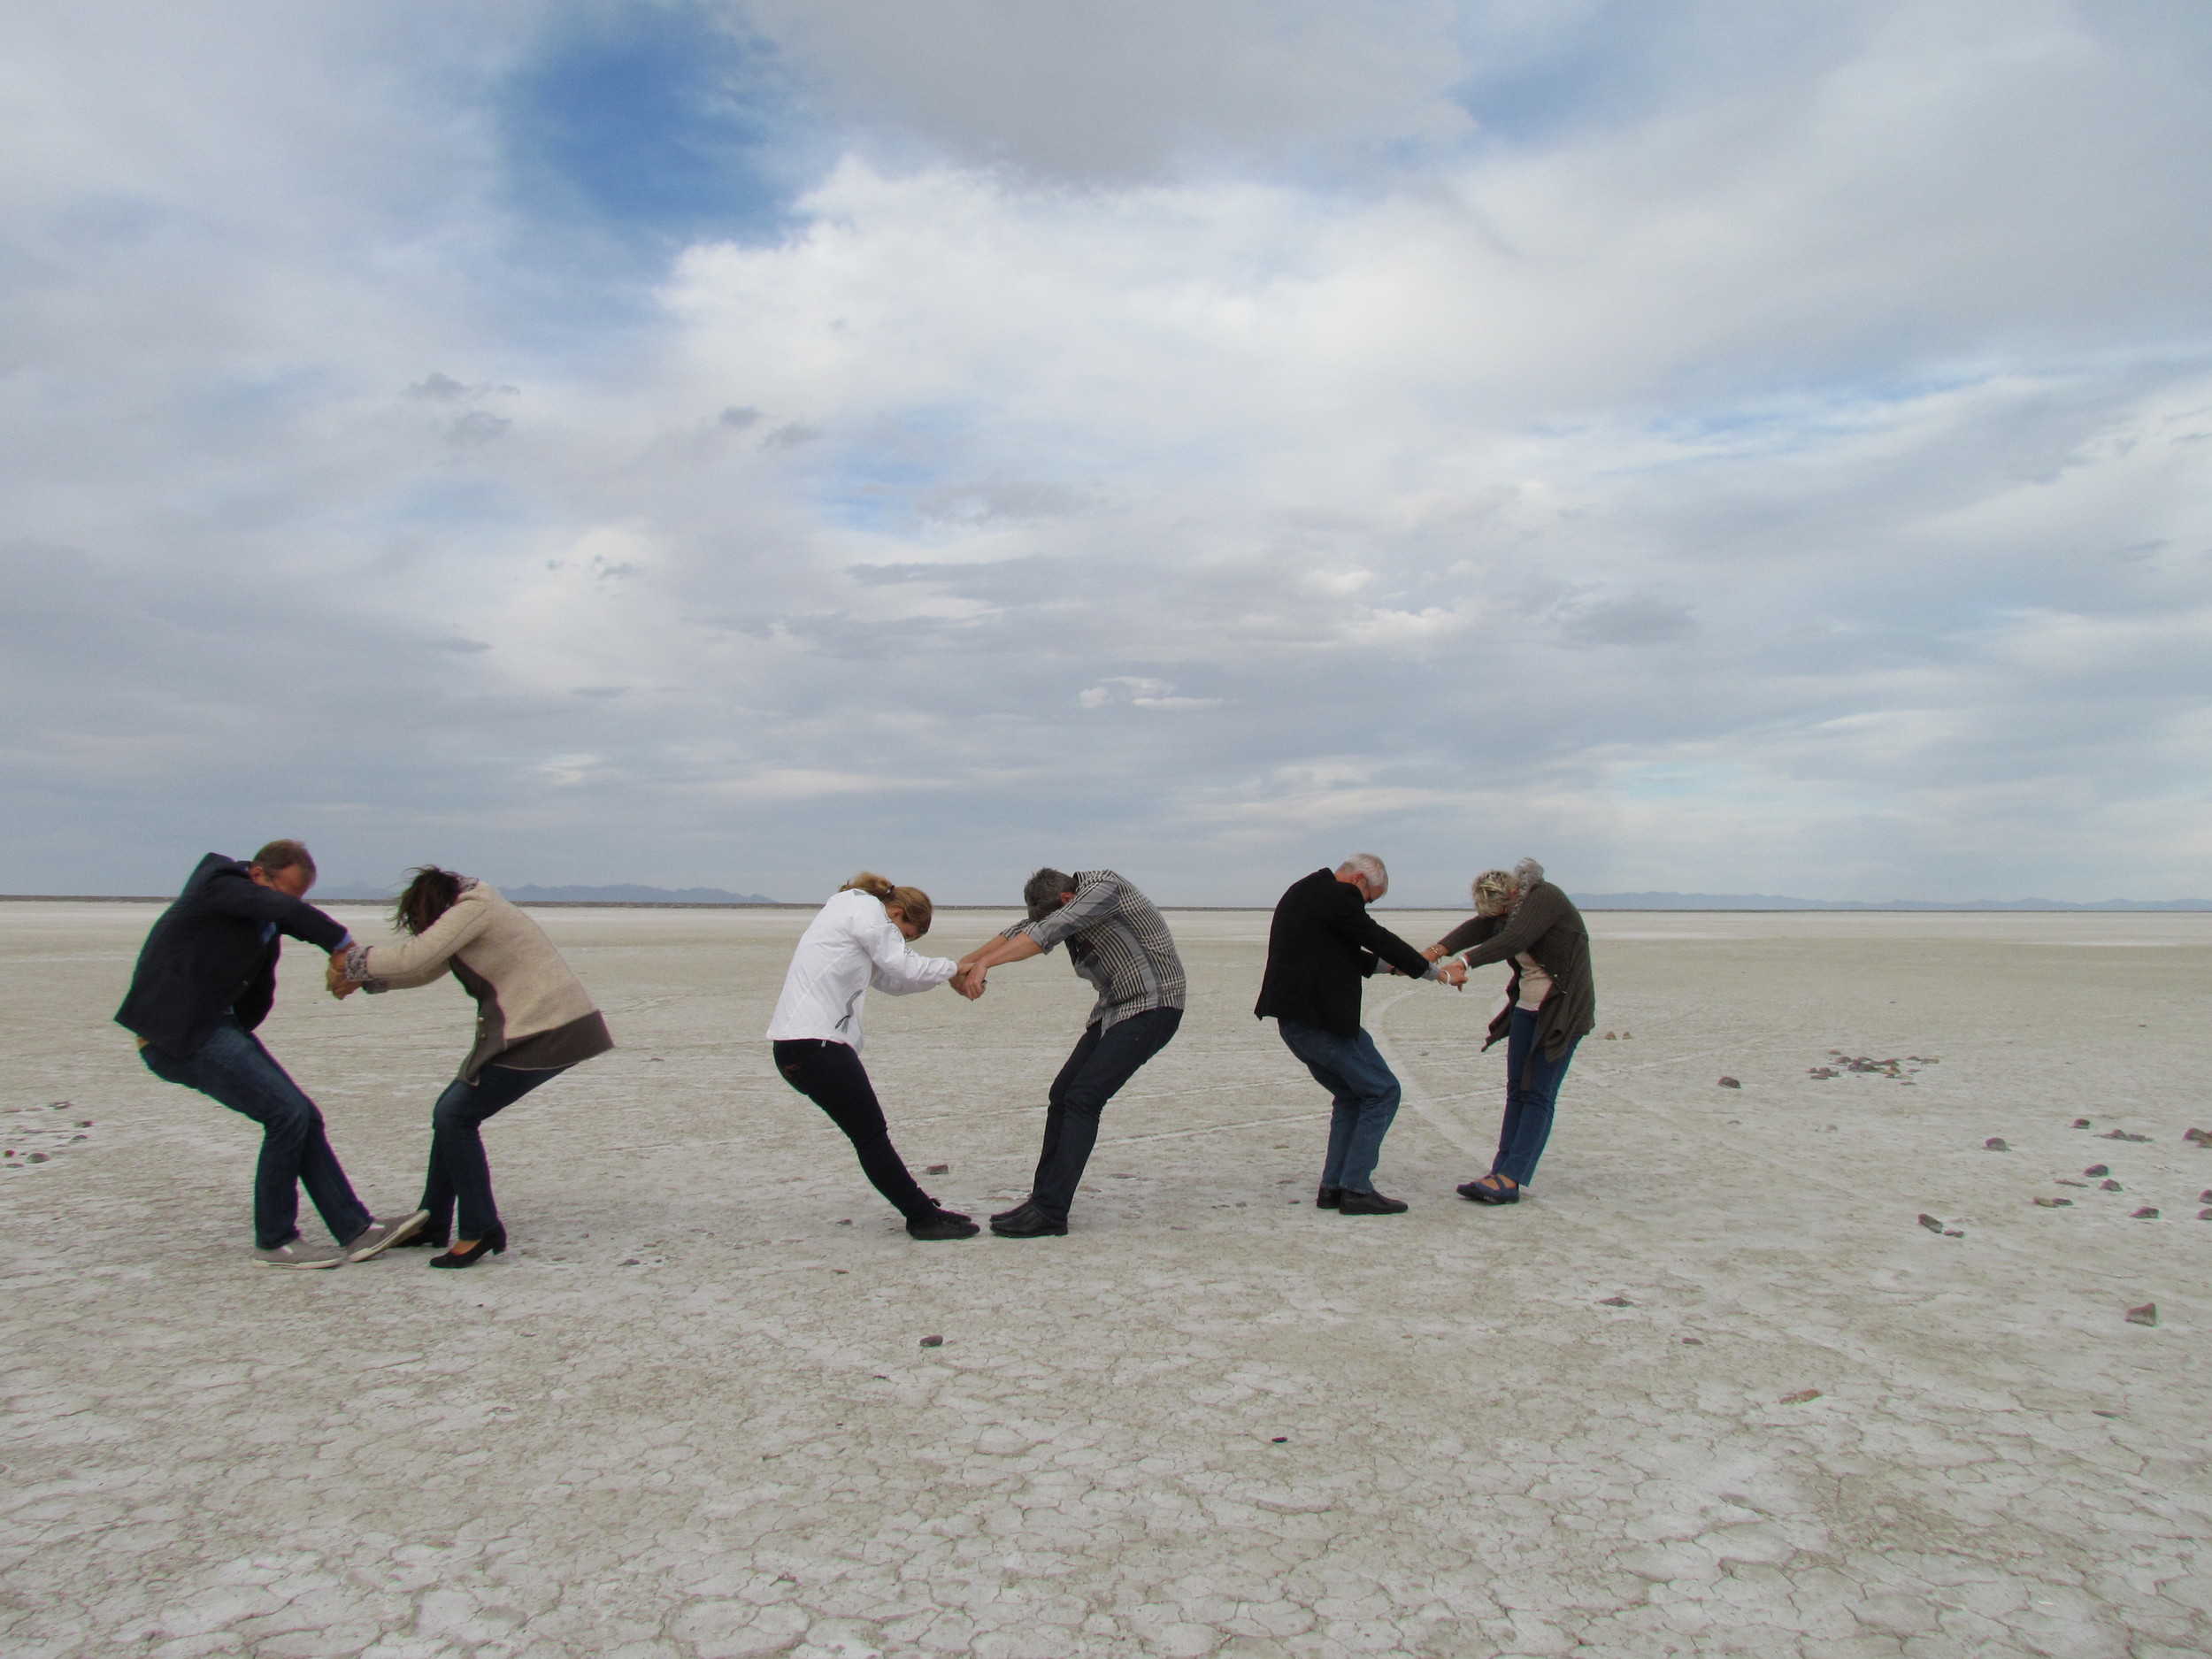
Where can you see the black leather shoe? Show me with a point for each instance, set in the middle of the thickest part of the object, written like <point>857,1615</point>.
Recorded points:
<point>1483,1193</point>
<point>1328,1198</point>
<point>1029,1222</point>
<point>1354,1203</point>
<point>945,1224</point>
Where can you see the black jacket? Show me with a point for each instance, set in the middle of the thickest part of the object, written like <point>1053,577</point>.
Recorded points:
<point>1321,944</point>
<point>1547,925</point>
<point>207,957</point>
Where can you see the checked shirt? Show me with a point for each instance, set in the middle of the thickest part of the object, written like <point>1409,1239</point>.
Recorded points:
<point>1117,941</point>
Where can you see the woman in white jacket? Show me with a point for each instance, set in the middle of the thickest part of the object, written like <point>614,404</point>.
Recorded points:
<point>533,1021</point>
<point>859,939</point>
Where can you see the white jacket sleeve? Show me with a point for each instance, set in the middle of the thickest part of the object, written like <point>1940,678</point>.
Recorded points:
<point>893,967</point>
<point>428,952</point>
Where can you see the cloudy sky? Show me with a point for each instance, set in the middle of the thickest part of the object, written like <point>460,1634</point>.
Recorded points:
<point>1719,447</point>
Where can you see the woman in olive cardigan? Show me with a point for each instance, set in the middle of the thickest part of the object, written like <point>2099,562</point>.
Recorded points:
<point>1550,1005</point>
<point>533,1021</point>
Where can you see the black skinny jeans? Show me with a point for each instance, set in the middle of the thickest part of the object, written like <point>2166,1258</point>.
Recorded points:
<point>830,1074</point>
<point>460,1171</point>
<point>1093,1075</point>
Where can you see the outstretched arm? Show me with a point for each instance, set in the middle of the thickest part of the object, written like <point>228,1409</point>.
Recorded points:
<point>1015,947</point>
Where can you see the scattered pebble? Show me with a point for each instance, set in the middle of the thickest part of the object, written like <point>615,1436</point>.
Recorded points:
<point>845,1222</point>
<point>1730,1082</point>
<point>2147,1314</point>
<point>1931,1223</point>
<point>2204,1197</point>
<point>1800,1397</point>
<point>2110,1186</point>
<point>2121,1134</point>
<point>627,1261</point>
<point>2098,1169</point>
<point>937,1169</point>
<point>1996,1143</point>
<point>1612,1037</point>
<point>1694,1341</point>
<point>1616,1302</point>
<point>2081,1122</point>
<point>932,1342</point>
<point>2062,1181</point>
<point>1953,1232</point>
<point>1624,1036</point>
<point>2202,1137</point>
<point>2053,1203</point>
<point>1284,1440</point>
<point>2204,1215</point>
<point>2146,1213</point>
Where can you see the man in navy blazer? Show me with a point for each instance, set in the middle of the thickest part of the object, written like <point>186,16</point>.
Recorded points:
<point>206,977</point>
<point>1321,944</point>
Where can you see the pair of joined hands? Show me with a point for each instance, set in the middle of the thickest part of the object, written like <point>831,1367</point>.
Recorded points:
<point>1453,973</point>
<point>335,979</point>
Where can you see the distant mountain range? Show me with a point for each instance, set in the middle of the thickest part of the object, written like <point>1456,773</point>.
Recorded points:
<point>1769,901</point>
<point>621,893</point>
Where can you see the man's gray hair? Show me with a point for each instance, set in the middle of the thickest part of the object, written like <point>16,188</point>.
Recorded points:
<point>1527,874</point>
<point>1042,892</point>
<point>1367,865</point>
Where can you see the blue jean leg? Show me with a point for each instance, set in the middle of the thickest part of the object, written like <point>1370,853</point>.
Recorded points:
<point>1364,1094</point>
<point>233,1068</point>
<point>460,1171</point>
<point>1532,1092</point>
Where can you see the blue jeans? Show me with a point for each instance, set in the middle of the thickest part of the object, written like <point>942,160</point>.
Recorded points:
<point>232,1067</point>
<point>1095,1071</point>
<point>1532,1089</point>
<point>458,1168</point>
<point>1365,1093</point>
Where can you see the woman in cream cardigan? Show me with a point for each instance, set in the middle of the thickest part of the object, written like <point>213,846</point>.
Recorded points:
<point>533,1021</point>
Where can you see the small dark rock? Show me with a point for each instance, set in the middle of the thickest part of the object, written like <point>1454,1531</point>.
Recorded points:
<point>2098,1169</point>
<point>1996,1143</point>
<point>2202,1137</point>
<point>932,1342</point>
<point>1931,1223</point>
<point>1612,1036</point>
<point>2147,1314</point>
<point>1730,1082</point>
<point>2204,1197</point>
<point>2121,1134</point>
<point>1693,1341</point>
<point>628,1261</point>
<point>2146,1213</point>
<point>937,1169</point>
<point>2110,1186</point>
<point>1800,1397</point>
<point>2053,1203</point>
<point>2204,1215</point>
<point>1280,1439</point>
<point>2081,1122</point>
<point>1616,1302</point>
<point>1953,1232</point>
<point>35,1158</point>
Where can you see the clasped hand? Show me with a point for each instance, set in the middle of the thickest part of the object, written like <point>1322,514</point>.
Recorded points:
<point>335,979</point>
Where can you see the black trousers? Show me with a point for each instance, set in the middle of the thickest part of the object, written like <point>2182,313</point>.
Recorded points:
<point>1093,1075</point>
<point>830,1074</point>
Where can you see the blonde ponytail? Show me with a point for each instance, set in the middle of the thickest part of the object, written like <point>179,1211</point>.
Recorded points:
<point>913,902</point>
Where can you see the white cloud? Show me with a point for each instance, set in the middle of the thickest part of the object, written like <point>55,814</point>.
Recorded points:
<point>1783,471</point>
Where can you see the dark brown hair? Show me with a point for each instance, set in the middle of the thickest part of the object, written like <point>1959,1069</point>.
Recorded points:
<point>428,896</point>
<point>285,854</point>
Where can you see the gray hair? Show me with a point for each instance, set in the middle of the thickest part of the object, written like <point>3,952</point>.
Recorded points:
<point>1042,892</point>
<point>1370,866</point>
<point>1527,874</point>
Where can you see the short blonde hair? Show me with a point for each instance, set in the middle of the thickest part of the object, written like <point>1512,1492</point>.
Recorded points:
<point>913,902</point>
<point>1493,893</point>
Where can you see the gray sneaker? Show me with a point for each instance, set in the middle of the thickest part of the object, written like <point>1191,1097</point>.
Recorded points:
<point>381,1235</point>
<point>299,1253</point>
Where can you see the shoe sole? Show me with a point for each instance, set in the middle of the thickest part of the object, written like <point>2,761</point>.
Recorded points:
<point>298,1267</point>
<point>1040,1233</point>
<point>400,1234</point>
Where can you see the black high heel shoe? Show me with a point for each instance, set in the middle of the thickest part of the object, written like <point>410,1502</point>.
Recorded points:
<point>492,1243</point>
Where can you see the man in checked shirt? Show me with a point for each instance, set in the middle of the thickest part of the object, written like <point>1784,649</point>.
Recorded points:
<point>1116,941</point>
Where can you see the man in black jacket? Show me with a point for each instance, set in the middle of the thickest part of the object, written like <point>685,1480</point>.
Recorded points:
<point>1321,944</point>
<point>206,977</point>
